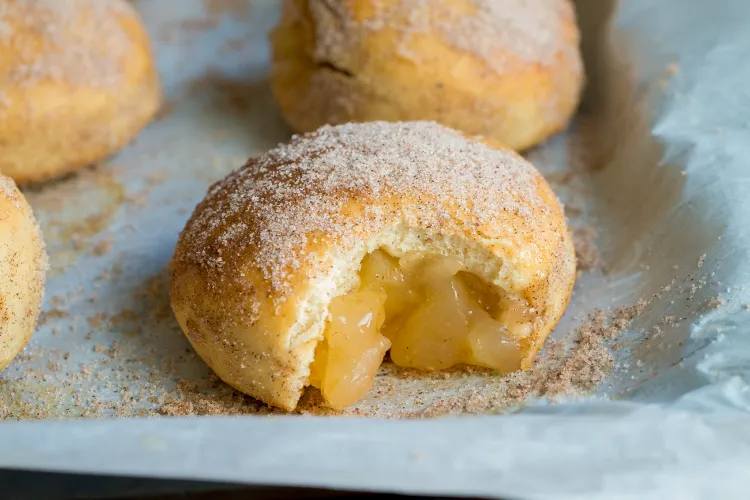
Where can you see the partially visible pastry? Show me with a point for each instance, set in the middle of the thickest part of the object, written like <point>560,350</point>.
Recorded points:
<point>308,264</point>
<point>77,83</point>
<point>23,264</point>
<point>509,70</point>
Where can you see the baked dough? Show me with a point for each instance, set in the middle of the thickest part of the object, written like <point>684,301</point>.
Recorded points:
<point>458,250</point>
<point>509,70</point>
<point>77,82</point>
<point>23,264</point>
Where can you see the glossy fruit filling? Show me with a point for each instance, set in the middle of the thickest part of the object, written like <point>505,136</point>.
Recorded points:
<point>429,311</point>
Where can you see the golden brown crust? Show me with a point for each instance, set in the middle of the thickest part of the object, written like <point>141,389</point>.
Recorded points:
<point>506,69</point>
<point>271,244</point>
<point>77,82</point>
<point>23,264</point>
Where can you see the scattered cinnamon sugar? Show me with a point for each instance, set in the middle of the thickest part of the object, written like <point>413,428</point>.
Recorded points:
<point>590,361</point>
<point>67,232</point>
<point>210,397</point>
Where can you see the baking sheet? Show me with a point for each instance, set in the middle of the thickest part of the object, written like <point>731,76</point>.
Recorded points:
<point>666,129</point>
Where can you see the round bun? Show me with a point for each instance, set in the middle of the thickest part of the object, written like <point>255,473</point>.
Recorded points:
<point>78,84</point>
<point>272,244</point>
<point>509,70</point>
<point>23,264</point>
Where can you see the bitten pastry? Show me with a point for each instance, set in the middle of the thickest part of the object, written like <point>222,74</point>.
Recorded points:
<point>509,70</point>
<point>308,264</point>
<point>77,82</point>
<point>23,264</point>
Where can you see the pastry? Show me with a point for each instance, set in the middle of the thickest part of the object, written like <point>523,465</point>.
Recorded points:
<point>509,70</point>
<point>309,263</point>
<point>77,82</point>
<point>23,264</point>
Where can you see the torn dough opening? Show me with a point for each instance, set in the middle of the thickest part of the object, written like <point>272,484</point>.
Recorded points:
<point>429,311</point>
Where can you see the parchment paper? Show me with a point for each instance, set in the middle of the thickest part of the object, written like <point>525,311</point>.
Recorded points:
<point>668,104</point>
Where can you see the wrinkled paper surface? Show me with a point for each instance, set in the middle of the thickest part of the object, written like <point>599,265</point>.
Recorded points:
<point>669,97</point>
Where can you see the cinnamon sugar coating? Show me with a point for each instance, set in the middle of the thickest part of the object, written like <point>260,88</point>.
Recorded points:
<point>271,244</point>
<point>506,69</point>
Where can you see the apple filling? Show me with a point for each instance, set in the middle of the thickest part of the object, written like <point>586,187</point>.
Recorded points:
<point>429,311</point>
